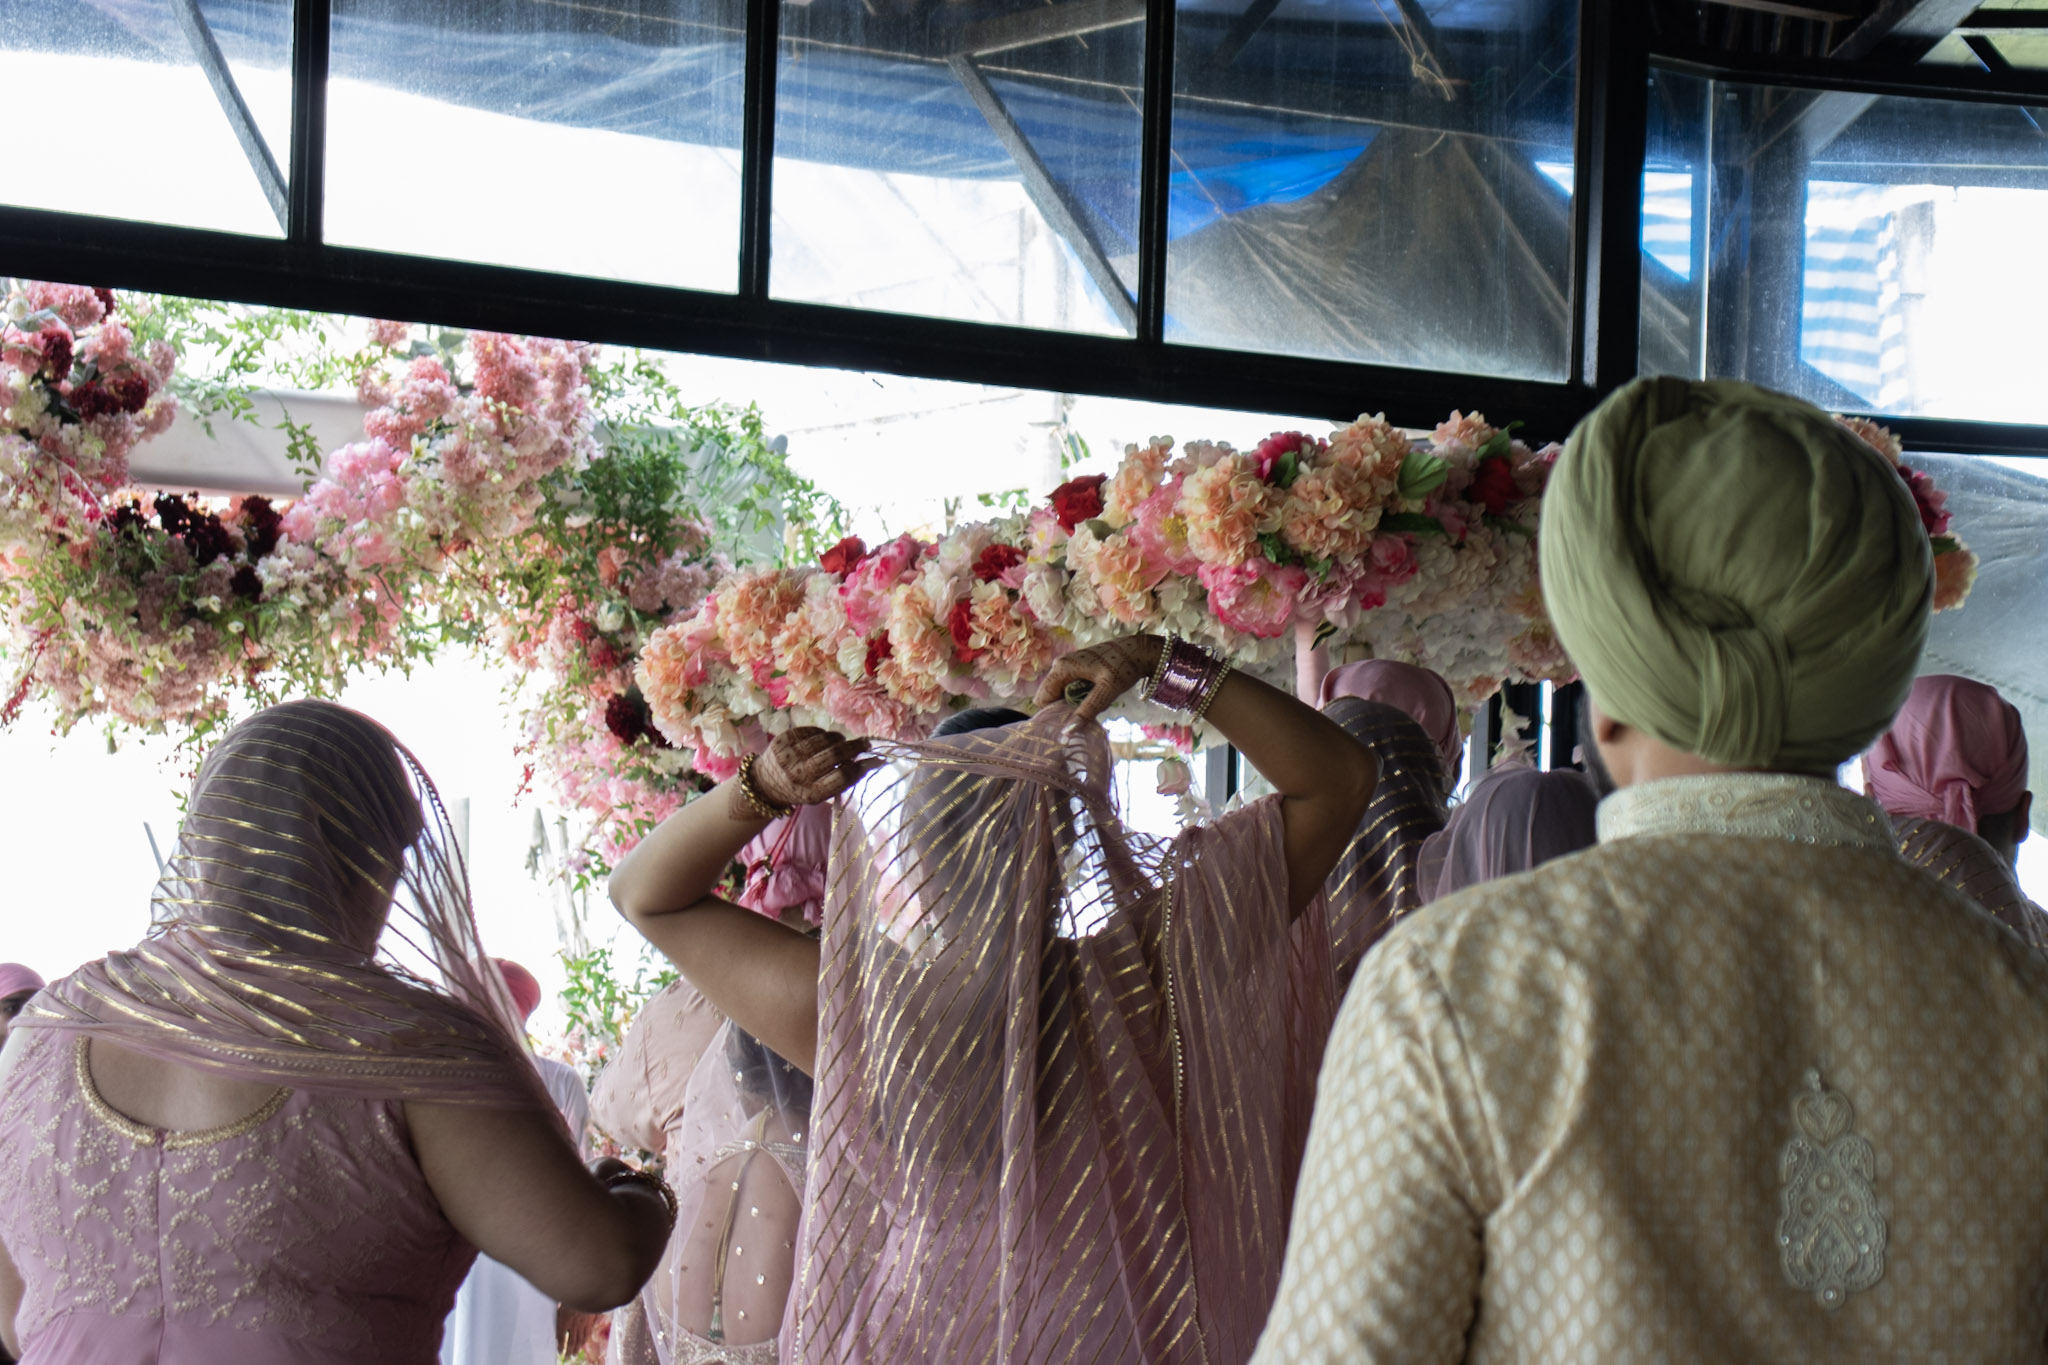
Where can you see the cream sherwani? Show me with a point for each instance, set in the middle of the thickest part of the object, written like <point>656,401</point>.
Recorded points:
<point>1739,1084</point>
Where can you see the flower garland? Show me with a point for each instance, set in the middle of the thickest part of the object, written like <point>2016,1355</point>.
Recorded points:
<point>521,492</point>
<point>480,506</point>
<point>1419,551</point>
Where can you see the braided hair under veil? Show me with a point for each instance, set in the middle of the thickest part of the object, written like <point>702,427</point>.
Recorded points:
<point>312,929</point>
<point>1064,1069</point>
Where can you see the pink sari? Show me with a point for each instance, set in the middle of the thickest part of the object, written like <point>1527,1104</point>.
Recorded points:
<point>1065,1072</point>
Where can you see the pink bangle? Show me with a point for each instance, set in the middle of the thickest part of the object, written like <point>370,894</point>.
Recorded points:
<point>1188,677</point>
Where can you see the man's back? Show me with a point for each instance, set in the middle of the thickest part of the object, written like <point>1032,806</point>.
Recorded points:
<point>1737,1085</point>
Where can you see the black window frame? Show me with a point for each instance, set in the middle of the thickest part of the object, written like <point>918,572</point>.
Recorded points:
<point>1616,54</point>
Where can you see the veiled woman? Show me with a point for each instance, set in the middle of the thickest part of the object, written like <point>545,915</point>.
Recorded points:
<point>1408,718</point>
<point>729,1119</point>
<point>1063,1070</point>
<point>277,1130</point>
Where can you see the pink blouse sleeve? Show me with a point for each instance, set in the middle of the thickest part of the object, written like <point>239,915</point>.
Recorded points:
<point>639,1096</point>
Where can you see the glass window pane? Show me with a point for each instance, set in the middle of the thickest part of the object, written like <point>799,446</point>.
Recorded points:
<point>134,122</point>
<point>1375,180</point>
<point>983,168</point>
<point>1864,252</point>
<point>592,139</point>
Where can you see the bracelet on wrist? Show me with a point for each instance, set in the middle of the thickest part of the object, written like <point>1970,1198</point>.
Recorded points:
<point>763,807</point>
<point>650,1181</point>
<point>1166,644</point>
<point>1189,678</point>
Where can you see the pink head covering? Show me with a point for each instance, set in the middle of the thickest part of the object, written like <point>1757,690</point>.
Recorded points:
<point>1421,693</point>
<point>523,985</point>
<point>1514,819</point>
<point>312,930</point>
<point>1956,751</point>
<point>16,979</point>
<point>1060,1111</point>
<point>785,865</point>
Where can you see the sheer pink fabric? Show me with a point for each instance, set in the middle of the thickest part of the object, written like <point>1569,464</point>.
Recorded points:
<point>303,1234</point>
<point>1378,879</point>
<point>1514,818</point>
<point>1956,751</point>
<point>1959,859</point>
<point>312,930</point>
<point>1417,691</point>
<point>1064,1071</point>
<point>786,865</point>
<point>731,1130</point>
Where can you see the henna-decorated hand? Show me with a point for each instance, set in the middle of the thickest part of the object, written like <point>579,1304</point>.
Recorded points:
<point>1109,670</point>
<point>805,766</point>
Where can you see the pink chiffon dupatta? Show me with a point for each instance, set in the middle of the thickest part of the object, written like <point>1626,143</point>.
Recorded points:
<point>1065,1071</point>
<point>312,930</point>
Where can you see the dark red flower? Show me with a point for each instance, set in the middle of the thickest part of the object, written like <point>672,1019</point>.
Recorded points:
<point>260,521</point>
<point>1931,501</point>
<point>207,538</point>
<point>106,298</point>
<point>247,584</point>
<point>57,355</point>
<point>1494,485</point>
<point>583,631</point>
<point>996,561</point>
<point>843,557</point>
<point>961,623</point>
<point>89,400</point>
<point>129,390</point>
<point>625,715</point>
<point>1078,500</point>
<point>879,649</point>
<point>127,517</point>
<point>604,656</point>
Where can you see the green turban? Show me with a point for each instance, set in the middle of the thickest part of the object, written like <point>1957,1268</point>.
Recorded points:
<point>1736,574</point>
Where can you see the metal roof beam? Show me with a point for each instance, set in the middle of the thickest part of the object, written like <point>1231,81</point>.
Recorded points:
<point>1062,212</point>
<point>215,66</point>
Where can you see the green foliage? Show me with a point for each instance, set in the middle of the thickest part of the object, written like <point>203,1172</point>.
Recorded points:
<point>601,1000</point>
<point>1422,474</point>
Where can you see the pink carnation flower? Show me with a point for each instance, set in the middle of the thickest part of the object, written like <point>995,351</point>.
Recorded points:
<point>392,336</point>
<point>1256,598</point>
<point>79,305</point>
<point>866,590</point>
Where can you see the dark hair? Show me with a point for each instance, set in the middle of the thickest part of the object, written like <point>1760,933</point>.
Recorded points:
<point>977,718</point>
<point>762,1073</point>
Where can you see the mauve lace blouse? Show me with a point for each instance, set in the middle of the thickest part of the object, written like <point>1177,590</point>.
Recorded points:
<point>303,1234</point>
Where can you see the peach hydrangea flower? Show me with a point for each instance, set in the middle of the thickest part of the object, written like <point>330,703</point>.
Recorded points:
<point>1955,573</point>
<point>1135,479</point>
<point>1227,506</point>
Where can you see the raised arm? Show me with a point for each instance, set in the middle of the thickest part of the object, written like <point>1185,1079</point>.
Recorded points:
<point>760,974</point>
<point>1323,777</point>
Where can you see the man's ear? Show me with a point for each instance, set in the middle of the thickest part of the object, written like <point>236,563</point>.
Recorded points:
<point>1606,728</point>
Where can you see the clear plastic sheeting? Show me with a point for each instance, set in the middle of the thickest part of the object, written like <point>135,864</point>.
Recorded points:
<point>129,120</point>
<point>1867,253</point>
<point>2001,511</point>
<point>1414,227</point>
<point>528,137</point>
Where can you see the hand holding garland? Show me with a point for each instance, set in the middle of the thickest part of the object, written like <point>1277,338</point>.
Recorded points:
<point>754,970</point>
<point>1324,778</point>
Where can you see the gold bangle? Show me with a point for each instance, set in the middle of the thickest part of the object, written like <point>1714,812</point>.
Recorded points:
<point>1208,697</point>
<point>650,1181</point>
<point>1166,644</point>
<point>763,807</point>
